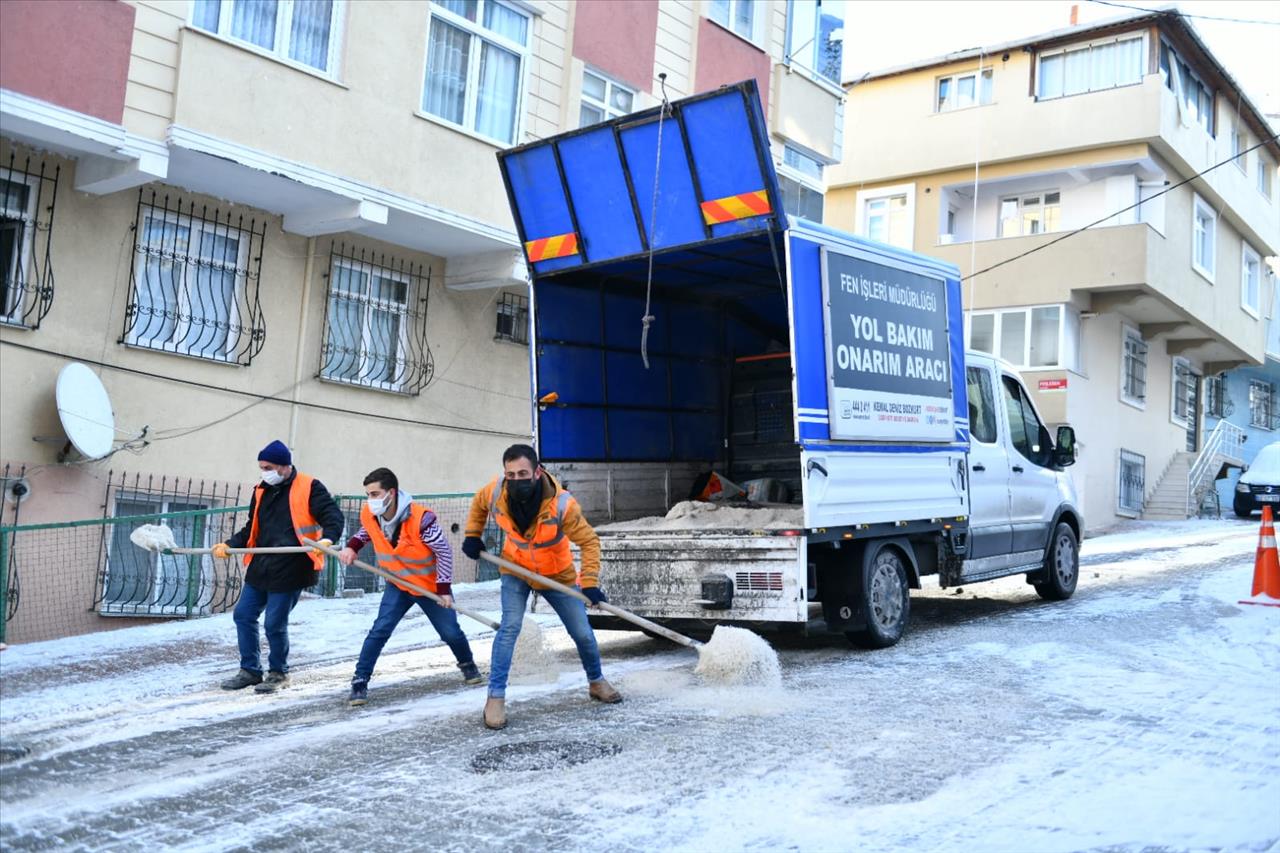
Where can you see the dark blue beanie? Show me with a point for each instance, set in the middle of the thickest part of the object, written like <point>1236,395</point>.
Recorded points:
<point>276,453</point>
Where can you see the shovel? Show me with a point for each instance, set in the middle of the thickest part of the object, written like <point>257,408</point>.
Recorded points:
<point>159,539</point>
<point>660,630</point>
<point>333,552</point>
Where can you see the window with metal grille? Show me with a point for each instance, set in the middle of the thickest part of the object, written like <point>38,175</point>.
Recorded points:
<point>1261,407</point>
<point>375,328</point>
<point>513,319</point>
<point>1216,404</point>
<point>1133,481</point>
<point>1184,391</point>
<point>195,281</point>
<point>1134,388</point>
<point>28,191</point>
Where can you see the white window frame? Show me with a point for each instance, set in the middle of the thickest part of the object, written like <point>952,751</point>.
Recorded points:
<point>1270,404</point>
<point>1247,254</point>
<point>977,74</point>
<point>760,12</point>
<point>1065,49</point>
<point>284,27</point>
<point>21,257</point>
<point>788,172</point>
<point>183,308</point>
<point>369,304</point>
<point>1173,82</point>
<point>1198,207</point>
<point>1127,333</point>
<point>864,197</point>
<point>1266,176</point>
<point>1021,198</point>
<point>1239,143</point>
<point>478,33</point>
<point>1177,362</point>
<point>794,61</point>
<point>606,107</point>
<point>1068,350</point>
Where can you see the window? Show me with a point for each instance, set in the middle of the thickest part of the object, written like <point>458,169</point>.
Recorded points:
<point>1029,437</point>
<point>1239,143</point>
<point>1185,385</point>
<point>1261,412</point>
<point>144,583</point>
<point>1133,388</point>
<point>815,37</point>
<point>476,53</point>
<point>1091,67</point>
<point>26,225</point>
<point>195,282</point>
<point>963,90</point>
<point>982,405</point>
<point>1195,99</point>
<point>744,17</point>
<point>1024,215</point>
<point>1250,281</point>
<point>1204,235</point>
<point>887,220</point>
<point>301,31</point>
<point>1132,485</point>
<point>1265,170</point>
<point>1028,337</point>
<point>513,319</point>
<point>1215,397</point>
<point>375,323</point>
<point>800,179</point>
<point>603,99</point>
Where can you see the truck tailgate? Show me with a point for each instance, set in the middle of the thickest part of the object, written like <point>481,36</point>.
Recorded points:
<point>658,573</point>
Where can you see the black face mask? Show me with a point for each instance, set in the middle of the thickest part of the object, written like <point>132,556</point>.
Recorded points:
<point>522,490</point>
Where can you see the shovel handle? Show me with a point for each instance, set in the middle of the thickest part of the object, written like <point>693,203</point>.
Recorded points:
<point>275,549</point>
<point>361,564</point>
<point>661,630</point>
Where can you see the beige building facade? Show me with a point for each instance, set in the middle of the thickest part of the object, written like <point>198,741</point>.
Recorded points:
<point>257,223</point>
<point>1109,195</point>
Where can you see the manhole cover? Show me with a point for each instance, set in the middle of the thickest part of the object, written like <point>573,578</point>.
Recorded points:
<point>540,755</point>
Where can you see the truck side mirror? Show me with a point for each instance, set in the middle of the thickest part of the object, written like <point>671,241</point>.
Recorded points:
<point>1064,453</point>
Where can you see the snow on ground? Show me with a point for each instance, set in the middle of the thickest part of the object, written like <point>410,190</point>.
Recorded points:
<point>1142,714</point>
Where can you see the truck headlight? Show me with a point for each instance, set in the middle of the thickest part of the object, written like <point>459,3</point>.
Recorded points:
<point>1243,488</point>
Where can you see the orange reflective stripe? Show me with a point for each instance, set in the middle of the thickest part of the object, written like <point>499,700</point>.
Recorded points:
<point>547,248</point>
<point>304,523</point>
<point>741,206</point>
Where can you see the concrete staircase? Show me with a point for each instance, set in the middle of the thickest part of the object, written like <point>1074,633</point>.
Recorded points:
<point>1169,499</point>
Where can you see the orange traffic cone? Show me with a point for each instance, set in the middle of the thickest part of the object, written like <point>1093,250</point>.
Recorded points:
<point>1266,566</point>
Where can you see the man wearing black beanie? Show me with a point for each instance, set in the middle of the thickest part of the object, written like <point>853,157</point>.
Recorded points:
<point>286,506</point>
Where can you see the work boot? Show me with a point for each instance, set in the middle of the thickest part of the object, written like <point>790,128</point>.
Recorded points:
<point>471,673</point>
<point>273,682</point>
<point>242,679</point>
<point>359,693</point>
<point>602,691</point>
<point>495,713</point>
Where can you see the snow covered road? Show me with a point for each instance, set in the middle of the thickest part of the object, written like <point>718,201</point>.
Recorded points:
<point>1143,713</point>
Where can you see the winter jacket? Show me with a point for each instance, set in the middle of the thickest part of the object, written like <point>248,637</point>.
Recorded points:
<point>285,572</point>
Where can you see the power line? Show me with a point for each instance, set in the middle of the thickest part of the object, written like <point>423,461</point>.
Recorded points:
<point>1174,13</point>
<point>1113,215</point>
<point>261,398</point>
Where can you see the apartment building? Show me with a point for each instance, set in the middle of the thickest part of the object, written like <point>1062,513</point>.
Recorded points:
<point>1109,194</point>
<point>286,220</point>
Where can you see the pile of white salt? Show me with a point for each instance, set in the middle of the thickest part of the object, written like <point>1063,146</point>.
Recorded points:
<point>704,515</point>
<point>532,662</point>
<point>153,537</point>
<point>736,656</point>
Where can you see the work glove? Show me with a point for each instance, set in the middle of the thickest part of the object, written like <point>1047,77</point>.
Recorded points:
<point>472,546</point>
<point>596,594</point>
<point>221,551</point>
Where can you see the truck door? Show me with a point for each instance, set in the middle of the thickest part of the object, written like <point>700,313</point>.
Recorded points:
<point>990,530</point>
<point>1033,484</point>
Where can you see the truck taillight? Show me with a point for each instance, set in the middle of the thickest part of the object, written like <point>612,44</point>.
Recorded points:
<point>790,532</point>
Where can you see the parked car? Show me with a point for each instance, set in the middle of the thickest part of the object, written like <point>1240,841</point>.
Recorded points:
<point>1259,485</point>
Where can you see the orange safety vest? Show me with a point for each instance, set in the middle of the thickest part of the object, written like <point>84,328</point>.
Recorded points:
<point>412,561</point>
<point>547,553</point>
<point>304,523</point>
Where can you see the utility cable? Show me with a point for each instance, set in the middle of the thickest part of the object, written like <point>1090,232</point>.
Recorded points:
<point>1176,13</point>
<point>647,320</point>
<point>1114,214</point>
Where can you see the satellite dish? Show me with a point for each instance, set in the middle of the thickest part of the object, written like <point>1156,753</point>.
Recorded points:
<point>85,411</point>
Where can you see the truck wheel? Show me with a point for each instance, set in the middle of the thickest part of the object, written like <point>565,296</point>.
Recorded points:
<point>885,601</point>
<point>1061,565</point>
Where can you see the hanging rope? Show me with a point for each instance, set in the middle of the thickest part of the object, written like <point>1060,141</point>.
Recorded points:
<point>647,320</point>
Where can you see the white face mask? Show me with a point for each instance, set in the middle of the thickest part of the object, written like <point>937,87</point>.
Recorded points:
<point>378,506</point>
<point>272,477</point>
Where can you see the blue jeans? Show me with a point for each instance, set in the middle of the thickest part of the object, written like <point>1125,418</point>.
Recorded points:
<point>278,606</point>
<point>572,612</point>
<point>395,604</point>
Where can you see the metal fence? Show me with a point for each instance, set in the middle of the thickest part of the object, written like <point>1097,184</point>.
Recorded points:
<point>75,577</point>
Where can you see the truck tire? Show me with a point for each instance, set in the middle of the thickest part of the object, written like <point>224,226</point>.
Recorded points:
<point>886,601</point>
<point>1061,565</point>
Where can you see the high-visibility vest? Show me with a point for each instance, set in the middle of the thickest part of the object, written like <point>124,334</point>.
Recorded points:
<point>547,551</point>
<point>411,560</point>
<point>304,523</point>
